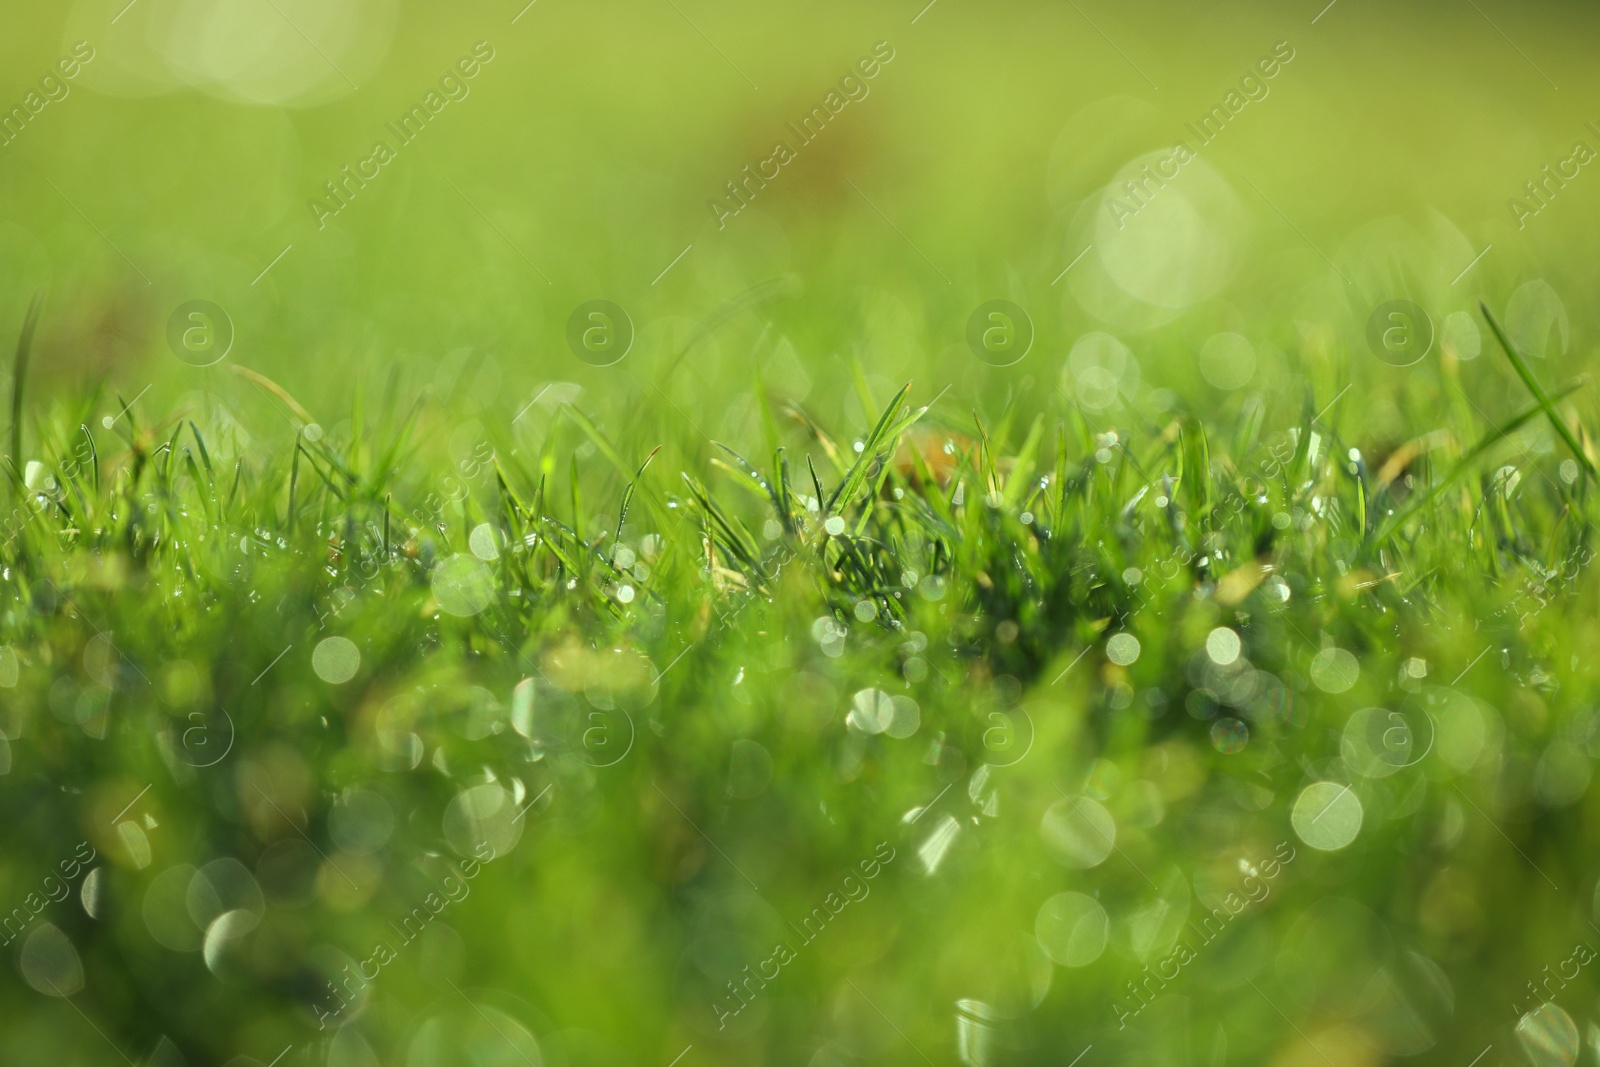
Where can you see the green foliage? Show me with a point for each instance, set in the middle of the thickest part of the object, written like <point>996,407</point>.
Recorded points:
<point>681,706</point>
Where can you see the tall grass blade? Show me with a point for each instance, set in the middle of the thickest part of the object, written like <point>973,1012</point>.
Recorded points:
<point>1489,440</point>
<point>1526,374</point>
<point>19,378</point>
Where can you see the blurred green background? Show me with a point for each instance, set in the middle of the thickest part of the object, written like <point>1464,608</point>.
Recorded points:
<point>179,165</point>
<point>582,163</point>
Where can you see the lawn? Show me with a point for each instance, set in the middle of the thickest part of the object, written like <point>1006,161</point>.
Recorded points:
<point>690,535</point>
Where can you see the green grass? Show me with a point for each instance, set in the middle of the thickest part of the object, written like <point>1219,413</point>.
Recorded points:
<point>1017,682</point>
<point>683,703</point>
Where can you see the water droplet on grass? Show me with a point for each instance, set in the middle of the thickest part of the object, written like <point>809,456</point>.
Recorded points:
<point>1079,831</point>
<point>871,711</point>
<point>482,818</point>
<point>483,543</point>
<point>1228,361</point>
<point>934,847</point>
<point>1073,928</point>
<point>135,842</point>
<point>1184,243</point>
<point>1562,775</point>
<point>1222,646</point>
<point>93,893</point>
<point>1460,337</point>
<point>1229,736</point>
<point>463,585</point>
<point>1327,816</point>
<point>1549,1036</point>
<point>1378,742</point>
<point>336,660</point>
<point>221,947</point>
<point>50,963</point>
<point>482,1034</point>
<point>349,1049</point>
<point>1333,670</point>
<point>225,885</point>
<point>975,1032</point>
<point>1122,649</point>
<point>1098,365</point>
<point>907,717</point>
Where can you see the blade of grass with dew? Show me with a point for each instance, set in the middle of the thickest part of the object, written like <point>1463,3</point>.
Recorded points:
<point>883,434</point>
<point>1476,452</point>
<point>1526,374</point>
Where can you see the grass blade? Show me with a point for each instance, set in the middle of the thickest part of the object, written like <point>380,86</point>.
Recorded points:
<point>1526,374</point>
<point>19,377</point>
<point>876,441</point>
<point>1489,440</point>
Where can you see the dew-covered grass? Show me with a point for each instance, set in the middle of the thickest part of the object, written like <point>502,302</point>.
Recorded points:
<point>985,737</point>
<point>1201,674</point>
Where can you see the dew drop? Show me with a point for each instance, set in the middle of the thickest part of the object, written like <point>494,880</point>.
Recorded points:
<point>50,963</point>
